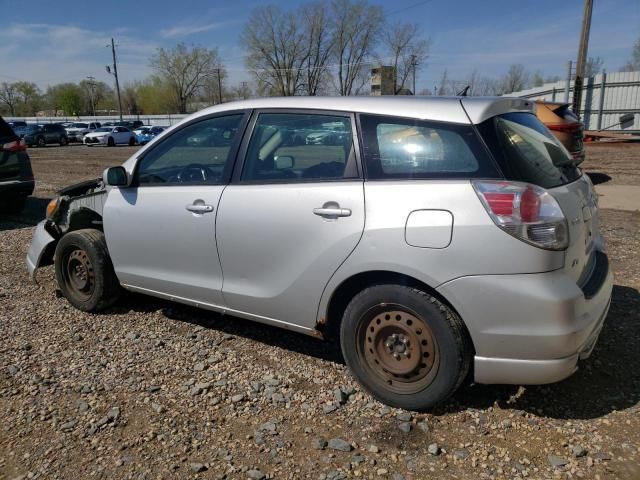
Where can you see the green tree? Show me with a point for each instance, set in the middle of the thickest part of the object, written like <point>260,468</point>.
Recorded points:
<point>29,98</point>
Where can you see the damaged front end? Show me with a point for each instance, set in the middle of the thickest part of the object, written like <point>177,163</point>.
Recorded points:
<point>77,206</point>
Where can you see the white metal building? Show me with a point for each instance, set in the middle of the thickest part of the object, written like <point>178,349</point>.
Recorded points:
<point>621,96</point>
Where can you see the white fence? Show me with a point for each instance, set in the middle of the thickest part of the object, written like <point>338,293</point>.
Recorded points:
<point>160,120</point>
<point>605,98</point>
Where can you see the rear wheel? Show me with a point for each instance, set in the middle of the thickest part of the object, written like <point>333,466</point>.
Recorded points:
<point>41,142</point>
<point>404,346</point>
<point>84,271</point>
<point>63,140</point>
<point>111,142</point>
<point>132,141</point>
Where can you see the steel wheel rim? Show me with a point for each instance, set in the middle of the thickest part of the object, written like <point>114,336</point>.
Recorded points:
<point>79,274</point>
<point>398,349</point>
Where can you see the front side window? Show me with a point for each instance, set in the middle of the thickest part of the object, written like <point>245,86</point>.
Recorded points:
<point>199,153</point>
<point>296,147</point>
<point>406,148</point>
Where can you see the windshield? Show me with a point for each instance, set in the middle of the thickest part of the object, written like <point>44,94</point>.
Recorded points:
<point>527,151</point>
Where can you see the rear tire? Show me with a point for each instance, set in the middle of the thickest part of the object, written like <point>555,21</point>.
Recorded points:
<point>404,346</point>
<point>41,142</point>
<point>132,142</point>
<point>63,140</point>
<point>84,271</point>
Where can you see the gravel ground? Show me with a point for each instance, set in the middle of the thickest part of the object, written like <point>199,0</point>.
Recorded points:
<point>153,389</point>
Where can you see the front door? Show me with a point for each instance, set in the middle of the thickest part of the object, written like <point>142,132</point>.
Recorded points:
<point>161,230</point>
<point>294,215</point>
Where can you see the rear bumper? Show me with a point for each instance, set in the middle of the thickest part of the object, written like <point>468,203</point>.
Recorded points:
<point>530,329</point>
<point>20,187</point>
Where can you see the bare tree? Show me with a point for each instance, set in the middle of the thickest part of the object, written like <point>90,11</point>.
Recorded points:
<point>407,50</point>
<point>633,65</point>
<point>185,69</point>
<point>9,96</point>
<point>356,25</point>
<point>537,80</point>
<point>276,50</point>
<point>516,78</point>
<point>593,67</point>
<point>317,32</point>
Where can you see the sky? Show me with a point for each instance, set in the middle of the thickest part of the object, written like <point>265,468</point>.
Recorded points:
<point>65,41</point>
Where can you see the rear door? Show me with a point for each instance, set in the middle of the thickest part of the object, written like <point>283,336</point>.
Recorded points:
<point>291,216</point>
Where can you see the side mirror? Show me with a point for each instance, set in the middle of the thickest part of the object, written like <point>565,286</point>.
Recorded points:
<point>115,177</point>
<point>284,162</point>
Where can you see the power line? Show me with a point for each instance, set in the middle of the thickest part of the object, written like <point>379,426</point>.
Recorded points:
<point>393,12</point>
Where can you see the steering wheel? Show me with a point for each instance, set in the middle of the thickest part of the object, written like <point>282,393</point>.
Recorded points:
<point>195,172</point>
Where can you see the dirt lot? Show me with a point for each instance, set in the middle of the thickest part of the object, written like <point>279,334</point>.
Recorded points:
<point>152,389</point>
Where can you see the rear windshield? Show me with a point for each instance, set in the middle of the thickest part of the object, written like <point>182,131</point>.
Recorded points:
<point>527,151</point>
<point>407,148</point>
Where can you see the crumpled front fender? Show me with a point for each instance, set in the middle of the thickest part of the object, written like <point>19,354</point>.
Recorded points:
<point>41,249</point>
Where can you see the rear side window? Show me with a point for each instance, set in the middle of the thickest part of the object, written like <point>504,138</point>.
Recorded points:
<point>297,147</point>
<point>527,151</point>
<point>407,148</point>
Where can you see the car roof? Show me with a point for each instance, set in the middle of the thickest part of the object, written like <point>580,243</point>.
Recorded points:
<point>445,109</point>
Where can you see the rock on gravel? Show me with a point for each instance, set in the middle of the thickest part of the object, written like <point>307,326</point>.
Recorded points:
<point>255,474</point>
<point>197,467</point>
<point>339,444</point>
<point>557,461</point>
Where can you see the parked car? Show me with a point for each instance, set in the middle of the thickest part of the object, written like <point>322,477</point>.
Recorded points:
<point>19,127</point>
<point>110,136</point>
<point>16,176</point>
<point>565,125</point>
<point>147,133</point>
<point>77,131</point>
<point>42,135</point>
<point>477,250</point>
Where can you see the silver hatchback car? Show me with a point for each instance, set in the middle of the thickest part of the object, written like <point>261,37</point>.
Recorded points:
<point>439,239</point>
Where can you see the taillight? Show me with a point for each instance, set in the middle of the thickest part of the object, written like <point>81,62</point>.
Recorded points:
<point>564,127</point>
<point>526,211</point>
<point>15,146</point>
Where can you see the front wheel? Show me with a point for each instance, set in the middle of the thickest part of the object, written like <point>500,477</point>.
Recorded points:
<point>405,347</point>
<point>84,271</point>
<point>111,142</point>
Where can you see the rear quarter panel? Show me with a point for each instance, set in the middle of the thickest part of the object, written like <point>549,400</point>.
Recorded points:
<point>477,246</point>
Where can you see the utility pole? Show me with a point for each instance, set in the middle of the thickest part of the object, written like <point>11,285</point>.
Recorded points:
<point>92,85</point>
<point>219,86</point>
<point>567,85</point>
<point>115,74</point>
<point>582,56</point>
<point>414,64</point>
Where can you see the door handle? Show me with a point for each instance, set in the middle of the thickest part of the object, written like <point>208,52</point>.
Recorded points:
<point>199,208</point>
<point>332,212</point>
